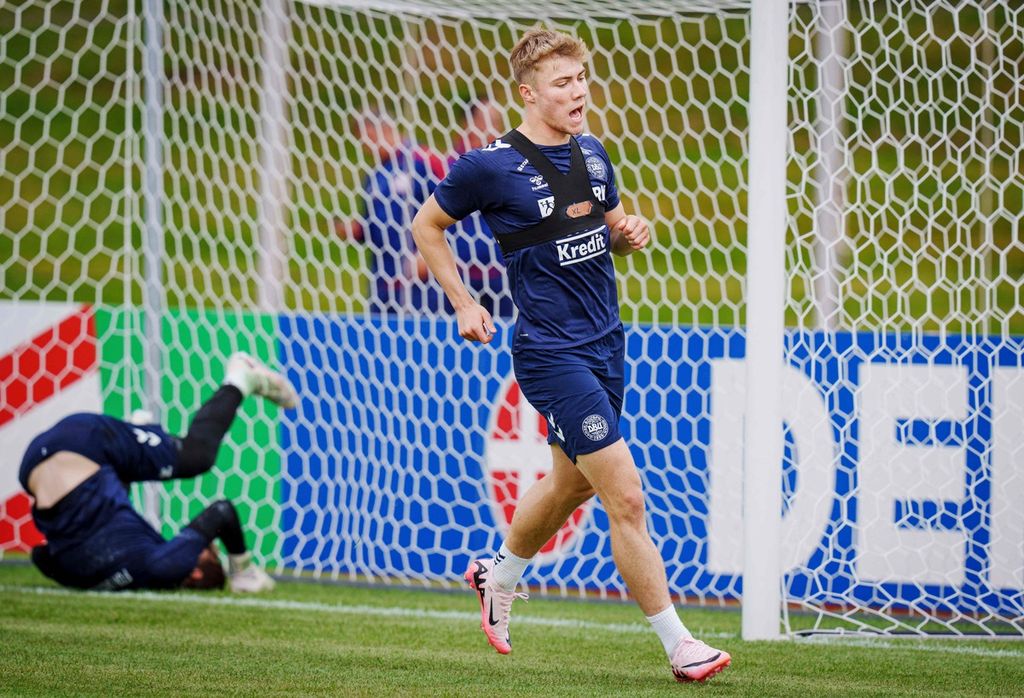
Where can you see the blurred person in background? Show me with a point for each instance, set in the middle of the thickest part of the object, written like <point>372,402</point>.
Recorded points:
<point>404,176</point>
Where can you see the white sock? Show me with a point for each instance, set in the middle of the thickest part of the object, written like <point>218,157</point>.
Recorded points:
<point>669,628</point>
<point>237,563</point>
<point>241,379</point>
<point>508,569</point>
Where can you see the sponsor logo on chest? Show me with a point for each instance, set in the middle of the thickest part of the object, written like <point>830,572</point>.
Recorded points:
<point>581,247</point>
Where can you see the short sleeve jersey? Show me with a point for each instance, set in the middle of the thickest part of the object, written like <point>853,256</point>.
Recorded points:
<point>564,289</point>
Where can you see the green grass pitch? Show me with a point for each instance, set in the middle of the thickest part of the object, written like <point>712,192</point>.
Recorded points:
<point>322,639</point>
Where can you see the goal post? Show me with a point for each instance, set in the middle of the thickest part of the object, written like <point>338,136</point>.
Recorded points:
<point>766,243</point>
<point>835,193</point>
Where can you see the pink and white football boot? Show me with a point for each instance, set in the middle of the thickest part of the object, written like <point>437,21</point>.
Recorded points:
<point>692,660</point>
<point>495,604</point>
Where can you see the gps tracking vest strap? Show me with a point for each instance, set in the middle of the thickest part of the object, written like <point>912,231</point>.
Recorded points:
<point>575,207</point>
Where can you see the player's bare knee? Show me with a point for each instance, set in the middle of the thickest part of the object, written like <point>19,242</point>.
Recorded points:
<point>626,506</point>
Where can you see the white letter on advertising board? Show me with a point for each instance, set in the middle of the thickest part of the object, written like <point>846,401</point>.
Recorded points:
<point>889,471</point>
<point>803,411</point>
<point>1007,547</point>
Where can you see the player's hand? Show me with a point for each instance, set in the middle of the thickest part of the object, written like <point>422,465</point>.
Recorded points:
<point>475,323</point>
<point>634,230</point>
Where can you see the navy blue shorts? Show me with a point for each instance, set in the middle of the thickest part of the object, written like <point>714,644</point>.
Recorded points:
<point>136,453</point>
<point>579,390</point>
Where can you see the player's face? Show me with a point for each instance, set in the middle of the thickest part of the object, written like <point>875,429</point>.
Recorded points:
<point>560,91</point>
<point>197,579</point>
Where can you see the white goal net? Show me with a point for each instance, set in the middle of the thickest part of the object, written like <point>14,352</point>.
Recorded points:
<point>183,179</point>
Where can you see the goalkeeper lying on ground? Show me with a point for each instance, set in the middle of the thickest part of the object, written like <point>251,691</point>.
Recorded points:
<point>79,470</point>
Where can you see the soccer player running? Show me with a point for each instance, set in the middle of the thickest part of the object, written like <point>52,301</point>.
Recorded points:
<point>78,472</point>
<point>547,191</point>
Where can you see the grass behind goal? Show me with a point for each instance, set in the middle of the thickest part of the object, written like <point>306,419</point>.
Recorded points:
<point>306,639</point>
<point>73,177</point>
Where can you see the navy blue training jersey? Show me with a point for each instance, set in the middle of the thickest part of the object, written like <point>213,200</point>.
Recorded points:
<point>96,540</point>
<point>564,289</point>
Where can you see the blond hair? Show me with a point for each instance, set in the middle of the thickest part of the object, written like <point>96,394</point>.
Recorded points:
<point>539,43</point>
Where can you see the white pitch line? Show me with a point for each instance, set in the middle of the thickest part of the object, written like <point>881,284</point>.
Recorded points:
<point>903,644</point>
<point>463,616</point>
<point>343,609</point>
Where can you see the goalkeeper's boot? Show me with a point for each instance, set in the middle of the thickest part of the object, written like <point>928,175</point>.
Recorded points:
<point>495,604</point>
<point>245,577</point>
<point>692,660</point>
<point>253,378</point>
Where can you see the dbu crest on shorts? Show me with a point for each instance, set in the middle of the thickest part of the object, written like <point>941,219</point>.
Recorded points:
<point>595,427</point>
<point>580,391</point>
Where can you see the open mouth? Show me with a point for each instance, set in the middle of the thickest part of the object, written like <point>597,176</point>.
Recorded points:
<point>576,115</point>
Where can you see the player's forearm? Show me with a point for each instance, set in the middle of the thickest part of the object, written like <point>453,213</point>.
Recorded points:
<point>433,247</point>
